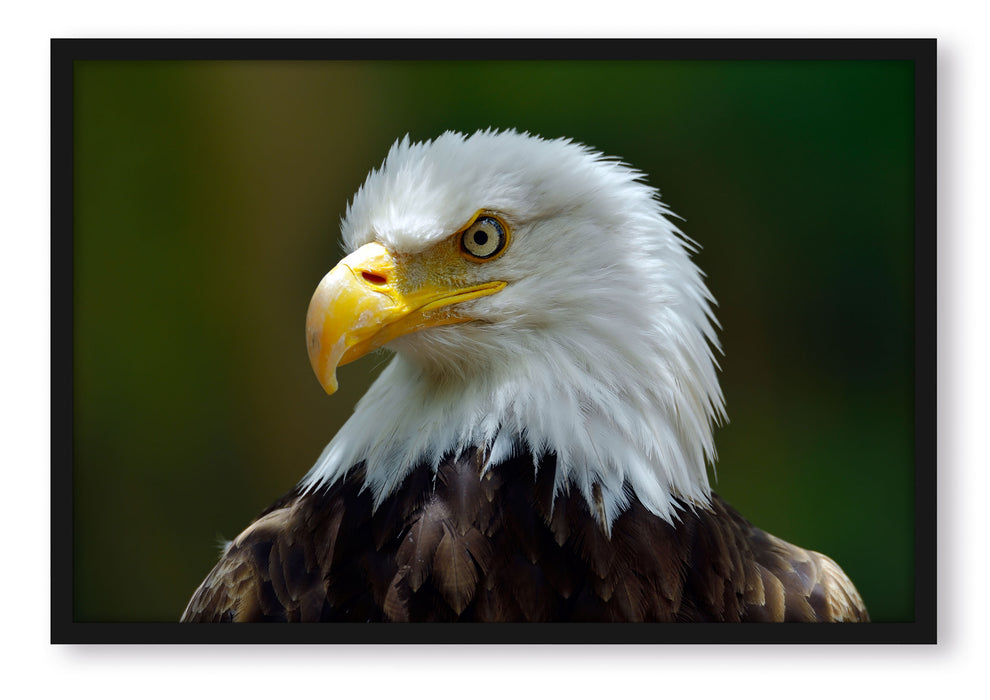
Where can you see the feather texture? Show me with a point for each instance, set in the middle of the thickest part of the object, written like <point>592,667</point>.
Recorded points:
<point>481,547</point>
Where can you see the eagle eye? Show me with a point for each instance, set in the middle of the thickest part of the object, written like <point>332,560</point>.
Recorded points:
<point>484,239</point>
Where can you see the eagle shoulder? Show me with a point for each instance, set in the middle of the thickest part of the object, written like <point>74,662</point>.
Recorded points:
<point>779,581</point>
<point>473,544</point>
<point>271,572</point>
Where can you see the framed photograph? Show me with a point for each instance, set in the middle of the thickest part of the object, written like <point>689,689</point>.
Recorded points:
<point>651,340</point>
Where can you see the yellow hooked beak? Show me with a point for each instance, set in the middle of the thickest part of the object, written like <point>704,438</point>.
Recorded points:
<point>372,297</point>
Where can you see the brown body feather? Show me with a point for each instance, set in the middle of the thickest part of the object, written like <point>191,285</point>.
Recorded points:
<point>461,545</point>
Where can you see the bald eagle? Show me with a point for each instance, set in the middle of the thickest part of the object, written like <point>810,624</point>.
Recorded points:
<point>537,449</point>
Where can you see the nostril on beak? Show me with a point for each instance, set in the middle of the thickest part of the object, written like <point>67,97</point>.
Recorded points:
<point>373,278</point>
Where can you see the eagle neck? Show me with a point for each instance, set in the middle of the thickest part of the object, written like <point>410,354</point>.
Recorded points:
<point>610,442</point>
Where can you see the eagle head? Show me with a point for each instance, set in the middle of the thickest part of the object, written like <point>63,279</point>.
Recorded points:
<point>537,299</point>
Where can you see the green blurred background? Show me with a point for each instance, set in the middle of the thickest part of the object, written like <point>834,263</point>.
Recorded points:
<point>207,203</point>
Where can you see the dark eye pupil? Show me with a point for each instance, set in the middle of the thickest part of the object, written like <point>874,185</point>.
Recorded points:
<point>480,237</point>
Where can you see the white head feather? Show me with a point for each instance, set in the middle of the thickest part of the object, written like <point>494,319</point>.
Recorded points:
<point>600,348</point>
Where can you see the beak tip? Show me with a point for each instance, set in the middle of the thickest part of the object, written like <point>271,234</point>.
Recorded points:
<point>326,375</point>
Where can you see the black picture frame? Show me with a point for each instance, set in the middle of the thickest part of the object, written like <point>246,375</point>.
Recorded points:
<point>65,52</point>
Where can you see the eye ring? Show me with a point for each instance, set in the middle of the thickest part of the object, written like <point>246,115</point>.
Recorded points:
<point>485,238</point>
